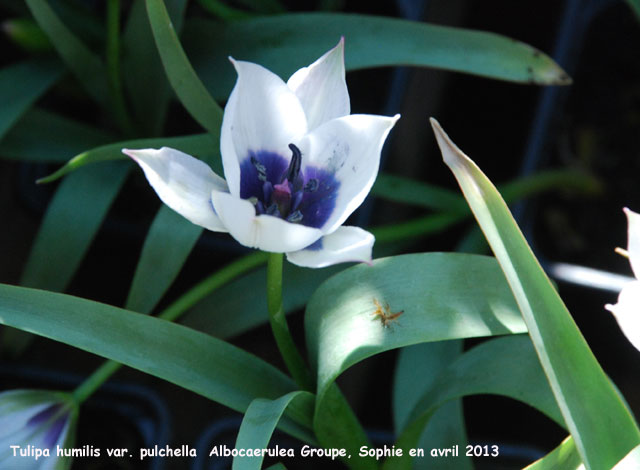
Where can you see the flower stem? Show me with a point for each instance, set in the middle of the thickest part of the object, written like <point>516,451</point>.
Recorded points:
<point>173,312</point>
<point>95,380</point>
<point>281,333</point>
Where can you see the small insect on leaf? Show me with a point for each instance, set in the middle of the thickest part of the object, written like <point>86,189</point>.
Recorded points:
<point>384,314</point>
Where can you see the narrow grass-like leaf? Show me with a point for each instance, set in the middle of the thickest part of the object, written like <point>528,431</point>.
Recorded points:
<point>184,80</point>
<point>565,457</point>
<point>417,368</point>
<point>259,422</point>
<point>71,222</point>
<point>43,136</point>
<point>27,35</point>
<point>143,75</point>
<point>21,85</point>
<point>190,359</point>
<point>631,461</point>
<point>84,64</point>
<point>200,145</point>
<point>442,296</point>
<point>505,366</point>
<point>284,43</point>
<point>409,191</point>
<point>166,248</point>
<point>601,425</point>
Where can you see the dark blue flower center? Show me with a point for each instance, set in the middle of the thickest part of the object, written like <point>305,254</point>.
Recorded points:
<point>286,190</point>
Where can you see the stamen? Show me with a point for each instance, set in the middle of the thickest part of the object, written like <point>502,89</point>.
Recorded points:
<point>297,199</point>
<point>262,170</point>
<point>267,190</point>
<point>295,217</point>
<point>311,186</point>
<point>294,164</point>
<point>273,210</point>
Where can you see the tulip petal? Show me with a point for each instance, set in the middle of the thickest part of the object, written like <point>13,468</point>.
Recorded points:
<point>183,183</point>
<point>262,114</point>
<point>633,244</point>
<point>346,244</point>
<point>264,232</point>
<point>17,407</point>
<point>349,148</point>
<point>322,89</point>
<point>627,312</point>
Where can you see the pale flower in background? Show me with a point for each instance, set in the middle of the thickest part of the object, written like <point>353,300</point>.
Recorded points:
<point>296,164</point>
<point>40,419</point>
<point>627,310</point>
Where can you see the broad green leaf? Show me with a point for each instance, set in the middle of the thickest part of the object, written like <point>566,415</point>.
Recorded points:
<point>631,461</point>
<point>259,422</point>
<point>416,370</point>
<point>184,80</point>
<point>166,248</point>
<point>21,85</point>
<point>72,220</point>
<point>85,65</point>
<point>443,296</point>
<point>284,43</point>
<point>143,75</point>
<point>249,305</point>
<point>565,457</point>
<point>601,425</point>
<point>185,357</point>
<point>505,366</point>
<point>43,136</point>
<point>200,145</point>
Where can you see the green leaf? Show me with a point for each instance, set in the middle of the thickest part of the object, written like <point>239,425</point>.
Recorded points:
<point>43,136</point>
<point>71,222</point>
<point>277,466</point>
<point>505,366</point>
<point>260,421</point>
<point>200,145</point>
<point>27,34</point>
<point>631,461</point>
<point>443,296</point>
<point>185,357</point>
<point>85,65</point>
<point>284,43</point>
<point>143,74</point>
<point>602,427</point>
<point>21,85</point>
<point>417,368</point>
<point>166,248</point>
<point>249,305</point>
<point>408,191</point>
<point>565,457</point>
<point>184,80</point>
